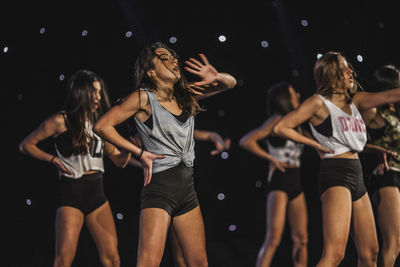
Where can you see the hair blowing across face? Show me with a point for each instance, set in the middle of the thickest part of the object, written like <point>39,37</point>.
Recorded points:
<point>329,76</point>
<point>185,98</point>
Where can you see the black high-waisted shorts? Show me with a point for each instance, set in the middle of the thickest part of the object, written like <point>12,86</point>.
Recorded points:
<point>288,181</point>
<point>171,190</point>
<point>85,193</point>
<point>342,172</point>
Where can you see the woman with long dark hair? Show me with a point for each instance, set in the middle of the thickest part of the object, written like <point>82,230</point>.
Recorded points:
<point>383,183</point>
<point>283,187</point>
<point>79,161</point>
<point>164,106</point>
<point>340,134</point>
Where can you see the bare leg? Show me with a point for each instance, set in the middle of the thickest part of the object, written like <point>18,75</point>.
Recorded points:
<point>389,224</point>
<point>297,216</point>
<point>153,228</point>
<point>69,222</point>
<point>336,217</point>
<point>101,225</point>
<point>177,253</point>
<point>275,224</point>
<point>189,229</point>
<point>365,232</point>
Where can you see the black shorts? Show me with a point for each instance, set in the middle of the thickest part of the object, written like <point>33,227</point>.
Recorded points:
<point>85,193</point>
<point>288,181</point>
<point>389,178</point>
<point>342,172</point>
<point>171,190</point>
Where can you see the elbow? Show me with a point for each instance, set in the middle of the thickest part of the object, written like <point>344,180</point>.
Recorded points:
<point>234,82</point>
<point>97,129</point>
<point>277,130</point>
<point>22,148</point>
<point>243,142</point>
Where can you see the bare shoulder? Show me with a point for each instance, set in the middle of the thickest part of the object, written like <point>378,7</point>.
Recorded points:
<point>57,121</point>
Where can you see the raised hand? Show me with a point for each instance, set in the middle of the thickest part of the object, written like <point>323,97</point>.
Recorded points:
<point>204,70</point>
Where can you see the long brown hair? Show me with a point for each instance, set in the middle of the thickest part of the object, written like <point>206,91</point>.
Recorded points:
<point>78,107</point>
<point>329,78</point>
<point>184,96</point>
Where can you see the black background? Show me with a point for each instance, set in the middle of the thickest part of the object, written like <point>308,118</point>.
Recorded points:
<point>31,90</point>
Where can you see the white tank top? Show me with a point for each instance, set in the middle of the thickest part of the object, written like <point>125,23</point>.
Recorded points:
<point>78,164</point>
<point>348,131</point>
<point>289,153</point>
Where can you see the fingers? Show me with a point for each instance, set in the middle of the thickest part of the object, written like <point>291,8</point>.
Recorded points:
<point>145,175</point>
<point>204,58</point>
<point>192,70</point>
<point>227,143</point>
<point>194,66</point>
<point>198,63</point>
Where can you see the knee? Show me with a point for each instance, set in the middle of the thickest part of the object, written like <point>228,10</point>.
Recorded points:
<point>198,261</point>
<point>63,260</point>
<point>110,260</point>
<point>148,260</point>
<point>369,254</point>
<point>273,239</point>
<point>300,240</point>
<point>335,256</point>
<point>393,245</point>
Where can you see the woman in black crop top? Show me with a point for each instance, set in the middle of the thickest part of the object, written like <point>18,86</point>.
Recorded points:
<point>383,125</point>
<point>81,199</point>
<point>345,202</point>
<point>284,193</point>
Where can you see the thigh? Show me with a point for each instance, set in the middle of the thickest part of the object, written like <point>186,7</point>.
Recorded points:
<point>389,212</point>
<point>101,225</point>
<point>189,229</point>
<point>297,216</point>
<point>276,212</point>
<point>68,226</point>
<point>336,217</point>
<point>153,229</point>
<point>363,224</point>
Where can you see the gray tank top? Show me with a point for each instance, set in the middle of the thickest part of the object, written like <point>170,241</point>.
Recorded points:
<point>168,137</point>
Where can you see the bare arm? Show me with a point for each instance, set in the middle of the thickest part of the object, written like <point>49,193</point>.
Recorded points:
<point>105,127</point>
<point>53,126</point>
<point>119,157</point>
<point>250,141</point>
<point>220,143</point>
<point>212,82</point>
<point>364,100</point>
<point>306,111</point>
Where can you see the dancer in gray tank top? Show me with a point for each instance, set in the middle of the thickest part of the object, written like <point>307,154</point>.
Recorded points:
<point>340,134</point>
<point>164,106</point>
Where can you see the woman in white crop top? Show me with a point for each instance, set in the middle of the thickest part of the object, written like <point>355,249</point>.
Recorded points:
<point>284,196</point>
<point>80,193</point>
<point>337,126</point>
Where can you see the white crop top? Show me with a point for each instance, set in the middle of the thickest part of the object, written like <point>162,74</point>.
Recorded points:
<point>78,164</point>
<point>348,131</point>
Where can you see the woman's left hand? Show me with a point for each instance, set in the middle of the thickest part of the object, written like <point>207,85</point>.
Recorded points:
<point>207,73</point>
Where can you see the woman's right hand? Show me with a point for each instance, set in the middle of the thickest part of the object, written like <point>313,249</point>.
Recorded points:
<point>278,165</point>
<point>147,159</point>
<point>60,167</point>
<point>322,150</point>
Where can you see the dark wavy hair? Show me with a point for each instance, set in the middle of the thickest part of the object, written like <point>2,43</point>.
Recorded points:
<point>278,99</point>
<point>78,107</point>
<point>185,98</point>
<point>329,76</point>
<point>386,77</point>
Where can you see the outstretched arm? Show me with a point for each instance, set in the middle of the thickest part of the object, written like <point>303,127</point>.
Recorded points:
<point>212,82</point>
<point>220,143</point>
<point>365,100</point>
<point>250,141</point>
